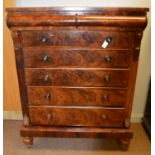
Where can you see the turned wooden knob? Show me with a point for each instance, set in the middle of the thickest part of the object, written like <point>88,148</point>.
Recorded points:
<point>105,97</point>
<point>48,96</point>
<point>109,39</point>
<point>107,58</point>
<point>106,78</point>
<point>45,58</point>
<point>49,116</point>
<point>46,77</point>
<point>104,116</point>
<point>44,40</point>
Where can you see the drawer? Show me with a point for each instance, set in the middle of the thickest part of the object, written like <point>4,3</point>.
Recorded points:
<point>78,38</point>
<point>76,96</point>
<point>77,77</point>
<point>44,57</point>
<point>76,116</point>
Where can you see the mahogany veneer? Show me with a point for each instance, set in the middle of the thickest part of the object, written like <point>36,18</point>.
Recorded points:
<point>72,116</point>
<point>76,96</point>
<point>77,38</point>
<point>77,70</point>
<point>61,58</point>
<point>76,77</point>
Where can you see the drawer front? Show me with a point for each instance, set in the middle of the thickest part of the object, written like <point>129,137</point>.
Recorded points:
<point>77,77</point>
<point>76,96</point>
<point>78,38</point>
<point>44,57</point>
<point>76,116</point>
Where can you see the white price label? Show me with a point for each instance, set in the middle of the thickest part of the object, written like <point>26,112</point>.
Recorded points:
<point>105,44</point>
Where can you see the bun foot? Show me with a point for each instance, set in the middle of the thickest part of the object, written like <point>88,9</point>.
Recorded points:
<point>124,143</point>
<point>28,141</point>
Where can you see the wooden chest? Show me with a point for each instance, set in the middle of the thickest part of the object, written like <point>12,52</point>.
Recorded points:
<point>77,70</point>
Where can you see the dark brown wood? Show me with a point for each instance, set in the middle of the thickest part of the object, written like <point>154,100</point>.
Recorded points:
<point>75,28</point>
<point>76,96</point>
<point>124,143</point>
<point>20,72</point>
<point>134,17</point>
<point>71,116</point>
<point>81,132</point>
<point>72,86</point>
<point>81,20</point>
<point>26,120</point>
<point>77,77</point>
<point>35,57</point>
<point>76,38</point>
<point>133,74</point>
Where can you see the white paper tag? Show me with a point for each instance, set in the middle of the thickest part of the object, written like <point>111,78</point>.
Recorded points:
<point>105,44</point>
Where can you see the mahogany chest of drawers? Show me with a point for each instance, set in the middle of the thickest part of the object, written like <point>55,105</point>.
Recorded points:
<point>77,70</point>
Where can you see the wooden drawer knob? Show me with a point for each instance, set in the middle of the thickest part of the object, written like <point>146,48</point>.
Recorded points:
<point>45,58</point>
<point>106,78</point>
<point>49,116</point>
<point>104,116</point>
<point>105,97</point>
<point>107,58</point>
<point>109,39</point>
<point>44,39</point>
<point>48,96</point>
<point>46,78</point>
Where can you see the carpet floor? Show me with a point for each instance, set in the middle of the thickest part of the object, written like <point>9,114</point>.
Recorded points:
<point>140,144</point>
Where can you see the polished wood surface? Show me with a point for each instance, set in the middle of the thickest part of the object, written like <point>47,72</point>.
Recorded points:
<point>77,116</point>
<point>87,132</point>
<point>76,96</point>
<point>77,77</point>
<point>76,38</point>
<point>20,71</point>
<point>47,57</point>
<point>77,68</point>
<point>75,16</point>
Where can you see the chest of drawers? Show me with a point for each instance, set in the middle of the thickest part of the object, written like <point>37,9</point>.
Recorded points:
<point>77,70</point>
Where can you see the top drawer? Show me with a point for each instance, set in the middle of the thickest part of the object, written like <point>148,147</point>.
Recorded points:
<point>95,39</point>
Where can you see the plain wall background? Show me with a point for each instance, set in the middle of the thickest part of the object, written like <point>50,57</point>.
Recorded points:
<point>143,75</point>
<point>11,96</point>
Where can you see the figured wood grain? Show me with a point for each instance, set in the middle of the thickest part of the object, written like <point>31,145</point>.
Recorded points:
<point>75,16</point>
<point>77,21</point>
<point>78,38</point>
<point>75,72</point>
<point>77,116</point>
<point>76,96</point>
<point>34,58</point>
<point>76,77</point>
